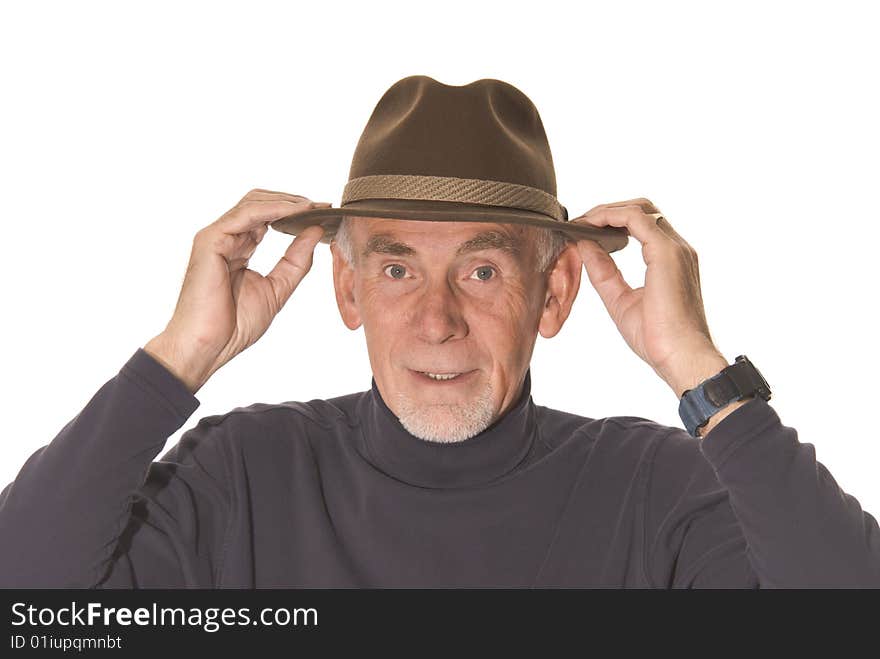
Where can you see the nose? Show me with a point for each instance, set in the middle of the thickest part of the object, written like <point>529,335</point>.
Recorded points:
<point>438,316</point>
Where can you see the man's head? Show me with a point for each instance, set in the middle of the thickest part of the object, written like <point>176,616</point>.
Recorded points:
<point>451,297</point>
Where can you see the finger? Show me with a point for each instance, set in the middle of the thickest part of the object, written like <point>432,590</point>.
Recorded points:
<point>254,213</point>
<point>655,242</point>
<point>260,232</point>
<point>645,204</point>
<point>258,193</point>
<point>663,223</point>
<point>295,263</point>
<point>605,277</point>
<point>262,193</point>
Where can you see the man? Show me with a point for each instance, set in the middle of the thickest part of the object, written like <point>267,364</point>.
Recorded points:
<point>445,473</point>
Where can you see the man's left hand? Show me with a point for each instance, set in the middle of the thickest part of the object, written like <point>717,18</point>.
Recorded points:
<point>663,321</point>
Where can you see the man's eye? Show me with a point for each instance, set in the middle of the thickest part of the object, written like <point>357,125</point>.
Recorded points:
<point>484,270</point>
<point>397,270</point>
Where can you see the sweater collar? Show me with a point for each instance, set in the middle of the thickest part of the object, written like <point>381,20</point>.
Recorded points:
<point>496,451</point>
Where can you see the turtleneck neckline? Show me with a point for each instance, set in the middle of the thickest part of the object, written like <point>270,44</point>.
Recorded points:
<point>478,460</point>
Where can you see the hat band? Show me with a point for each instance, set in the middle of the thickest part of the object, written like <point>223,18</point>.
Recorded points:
<point>450,188</point>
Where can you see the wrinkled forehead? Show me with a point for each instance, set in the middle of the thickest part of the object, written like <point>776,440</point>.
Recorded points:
<point>401,237</point>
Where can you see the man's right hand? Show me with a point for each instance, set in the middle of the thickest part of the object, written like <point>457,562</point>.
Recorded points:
<point>224,307</point>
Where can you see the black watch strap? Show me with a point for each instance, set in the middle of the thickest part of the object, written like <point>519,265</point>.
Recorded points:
<point>737,381</point>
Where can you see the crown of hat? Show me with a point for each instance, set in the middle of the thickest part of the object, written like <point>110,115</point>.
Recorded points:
<point>485,130</point>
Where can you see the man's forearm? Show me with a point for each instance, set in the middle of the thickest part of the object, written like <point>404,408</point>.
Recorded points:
<point>74,493</point>
<point>801,528</point>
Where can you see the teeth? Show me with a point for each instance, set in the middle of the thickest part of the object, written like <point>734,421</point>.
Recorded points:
<point>437,376</point>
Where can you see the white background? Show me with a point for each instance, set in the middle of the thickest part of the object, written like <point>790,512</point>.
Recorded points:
<point>124,130</point>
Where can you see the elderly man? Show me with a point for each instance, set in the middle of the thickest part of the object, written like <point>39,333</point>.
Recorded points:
<point>445,472</point>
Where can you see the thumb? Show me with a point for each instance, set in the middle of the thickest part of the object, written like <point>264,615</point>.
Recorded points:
<point>294,263</point>
<point>603,272</point>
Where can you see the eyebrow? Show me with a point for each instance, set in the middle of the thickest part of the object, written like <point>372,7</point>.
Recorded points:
<point>386,243</point>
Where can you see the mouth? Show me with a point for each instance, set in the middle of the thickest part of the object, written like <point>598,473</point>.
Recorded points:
<point>443,378</point>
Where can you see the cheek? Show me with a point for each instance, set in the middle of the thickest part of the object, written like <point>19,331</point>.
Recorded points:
<point>512,309</point>
<point>367,299</point>
<point>373,299</point>
<point>383,315</point>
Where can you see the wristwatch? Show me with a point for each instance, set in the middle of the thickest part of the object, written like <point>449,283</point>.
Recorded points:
<point>739,380</point>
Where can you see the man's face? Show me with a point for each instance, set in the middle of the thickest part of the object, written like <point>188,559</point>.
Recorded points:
<point>448,298</point>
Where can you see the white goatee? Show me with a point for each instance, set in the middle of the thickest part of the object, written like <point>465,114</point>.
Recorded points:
<point>446,422</point>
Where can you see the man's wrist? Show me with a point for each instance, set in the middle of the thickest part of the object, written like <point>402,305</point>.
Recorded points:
<point>701,368</point>
<point>160,350</point>
<point>716,418</point>
<point>698,370</point>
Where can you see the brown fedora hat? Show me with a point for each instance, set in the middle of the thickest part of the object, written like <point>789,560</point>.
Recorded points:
<point>469,153</point>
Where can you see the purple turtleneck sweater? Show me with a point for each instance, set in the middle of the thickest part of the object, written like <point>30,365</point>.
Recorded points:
<point>336,493</point>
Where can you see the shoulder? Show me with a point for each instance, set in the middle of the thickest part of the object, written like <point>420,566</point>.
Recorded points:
<point>268,428</point>
<point>617,435</point>
<point>312,413</point>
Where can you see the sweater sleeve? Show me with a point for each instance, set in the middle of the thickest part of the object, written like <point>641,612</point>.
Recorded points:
<point>90,509</point>
<point>758,510</point>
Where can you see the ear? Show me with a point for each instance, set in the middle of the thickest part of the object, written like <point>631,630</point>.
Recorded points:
<point>343,283</point>
<point>563,282</point>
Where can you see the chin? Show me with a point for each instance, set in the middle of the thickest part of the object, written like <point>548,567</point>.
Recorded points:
<point>446,422</point>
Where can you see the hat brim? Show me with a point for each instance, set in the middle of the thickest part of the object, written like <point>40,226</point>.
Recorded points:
<point>610,239</point>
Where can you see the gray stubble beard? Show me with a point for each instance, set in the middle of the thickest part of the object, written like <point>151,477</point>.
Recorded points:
<point>446,422</point>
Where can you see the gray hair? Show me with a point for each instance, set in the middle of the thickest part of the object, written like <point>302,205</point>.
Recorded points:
<point>548,242</point>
